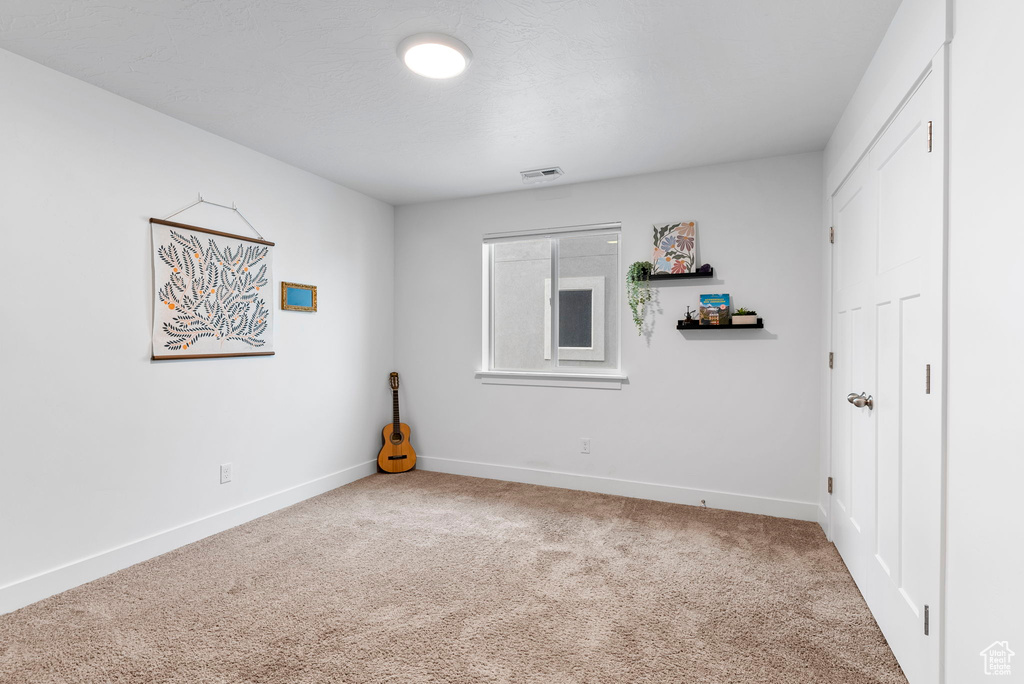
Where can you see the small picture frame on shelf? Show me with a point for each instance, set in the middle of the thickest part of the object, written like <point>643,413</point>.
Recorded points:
<point>714,309</point>
<point>298,297</point>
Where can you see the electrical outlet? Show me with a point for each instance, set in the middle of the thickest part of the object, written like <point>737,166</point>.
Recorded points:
<point>225,473</point>
<point>585,445</point>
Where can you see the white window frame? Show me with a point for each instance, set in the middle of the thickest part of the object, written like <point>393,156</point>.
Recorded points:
<point>565,376</point>
<point>595,352</point>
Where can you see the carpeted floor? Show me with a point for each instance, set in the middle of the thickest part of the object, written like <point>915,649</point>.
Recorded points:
<point>424,577</point>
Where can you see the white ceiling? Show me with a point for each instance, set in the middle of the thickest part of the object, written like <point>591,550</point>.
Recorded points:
<point>602,88</point>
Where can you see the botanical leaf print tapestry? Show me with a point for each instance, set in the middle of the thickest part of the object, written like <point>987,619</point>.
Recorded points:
<point>212,294</point>
<point>675,247</point>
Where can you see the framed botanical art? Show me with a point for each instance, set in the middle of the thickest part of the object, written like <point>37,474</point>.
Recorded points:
<point>298,297</point>
<point>211,293</point>
<point>675,248</point>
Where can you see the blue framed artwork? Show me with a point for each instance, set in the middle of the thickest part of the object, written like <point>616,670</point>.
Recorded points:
<point>298,297</point>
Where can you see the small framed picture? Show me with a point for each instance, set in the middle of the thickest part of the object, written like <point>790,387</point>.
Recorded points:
<point>298,297</point>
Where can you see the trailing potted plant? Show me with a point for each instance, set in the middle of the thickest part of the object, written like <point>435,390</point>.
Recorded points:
<point>744,317</point>
<point>638,291</point>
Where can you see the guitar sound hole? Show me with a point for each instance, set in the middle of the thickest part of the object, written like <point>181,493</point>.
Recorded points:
<point>396,437</point>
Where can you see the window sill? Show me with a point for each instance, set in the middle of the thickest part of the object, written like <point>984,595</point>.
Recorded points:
<point>540,379</point>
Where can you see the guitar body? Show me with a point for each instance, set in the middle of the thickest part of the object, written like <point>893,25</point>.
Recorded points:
<point>397,454</point>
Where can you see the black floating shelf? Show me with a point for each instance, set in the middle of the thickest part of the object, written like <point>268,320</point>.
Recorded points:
<point>677,276</point>
<point>681,325</point>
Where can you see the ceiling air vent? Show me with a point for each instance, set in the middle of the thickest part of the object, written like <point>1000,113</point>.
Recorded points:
<point>541,175</point>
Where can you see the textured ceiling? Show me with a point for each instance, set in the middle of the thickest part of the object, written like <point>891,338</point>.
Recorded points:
<point>602,88</point>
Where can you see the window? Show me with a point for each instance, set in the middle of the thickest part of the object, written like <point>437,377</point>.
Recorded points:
<point>580,318</point>
<point>527,331</point>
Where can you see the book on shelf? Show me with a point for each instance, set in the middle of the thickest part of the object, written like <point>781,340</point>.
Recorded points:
<point>714,309</point>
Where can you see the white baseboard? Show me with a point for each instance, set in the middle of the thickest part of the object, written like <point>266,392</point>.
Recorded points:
<point>779,508</point>
<point>823,519</point>
<point>35,588</point>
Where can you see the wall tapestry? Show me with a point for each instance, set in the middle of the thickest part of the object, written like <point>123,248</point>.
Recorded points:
<point>212,293</point>
<point>675,247</point>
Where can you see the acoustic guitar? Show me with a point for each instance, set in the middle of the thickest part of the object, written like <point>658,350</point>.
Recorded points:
<point>397,455</point>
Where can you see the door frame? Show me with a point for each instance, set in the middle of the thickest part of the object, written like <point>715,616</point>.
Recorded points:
<point>939,66</point>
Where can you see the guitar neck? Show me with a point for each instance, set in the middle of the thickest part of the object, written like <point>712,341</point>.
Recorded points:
<point>394,396</point>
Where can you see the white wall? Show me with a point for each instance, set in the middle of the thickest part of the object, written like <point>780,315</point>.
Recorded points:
<point>101,447</point>
<point>916,33</point>
<point>985,591</point>
<point>731,417</point>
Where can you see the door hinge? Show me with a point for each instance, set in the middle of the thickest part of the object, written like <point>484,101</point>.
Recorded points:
<point>830,485</point>
<point>928,378</point>
<point>926,619</point>
<point>831,359</point>
<point>832,235</point>
<point>929,136</point>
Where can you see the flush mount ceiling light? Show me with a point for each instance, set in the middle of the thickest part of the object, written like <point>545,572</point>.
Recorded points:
<point>435,55</point>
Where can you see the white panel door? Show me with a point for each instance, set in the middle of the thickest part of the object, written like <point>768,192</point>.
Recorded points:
<point>887,299</point>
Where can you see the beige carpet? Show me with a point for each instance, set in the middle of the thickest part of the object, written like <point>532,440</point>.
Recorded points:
<point>424,577</point>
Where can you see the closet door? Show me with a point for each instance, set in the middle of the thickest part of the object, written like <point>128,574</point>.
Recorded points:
<point>887,302</point>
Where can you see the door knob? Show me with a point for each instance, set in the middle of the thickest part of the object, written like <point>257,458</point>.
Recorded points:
<point>860,401</point>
